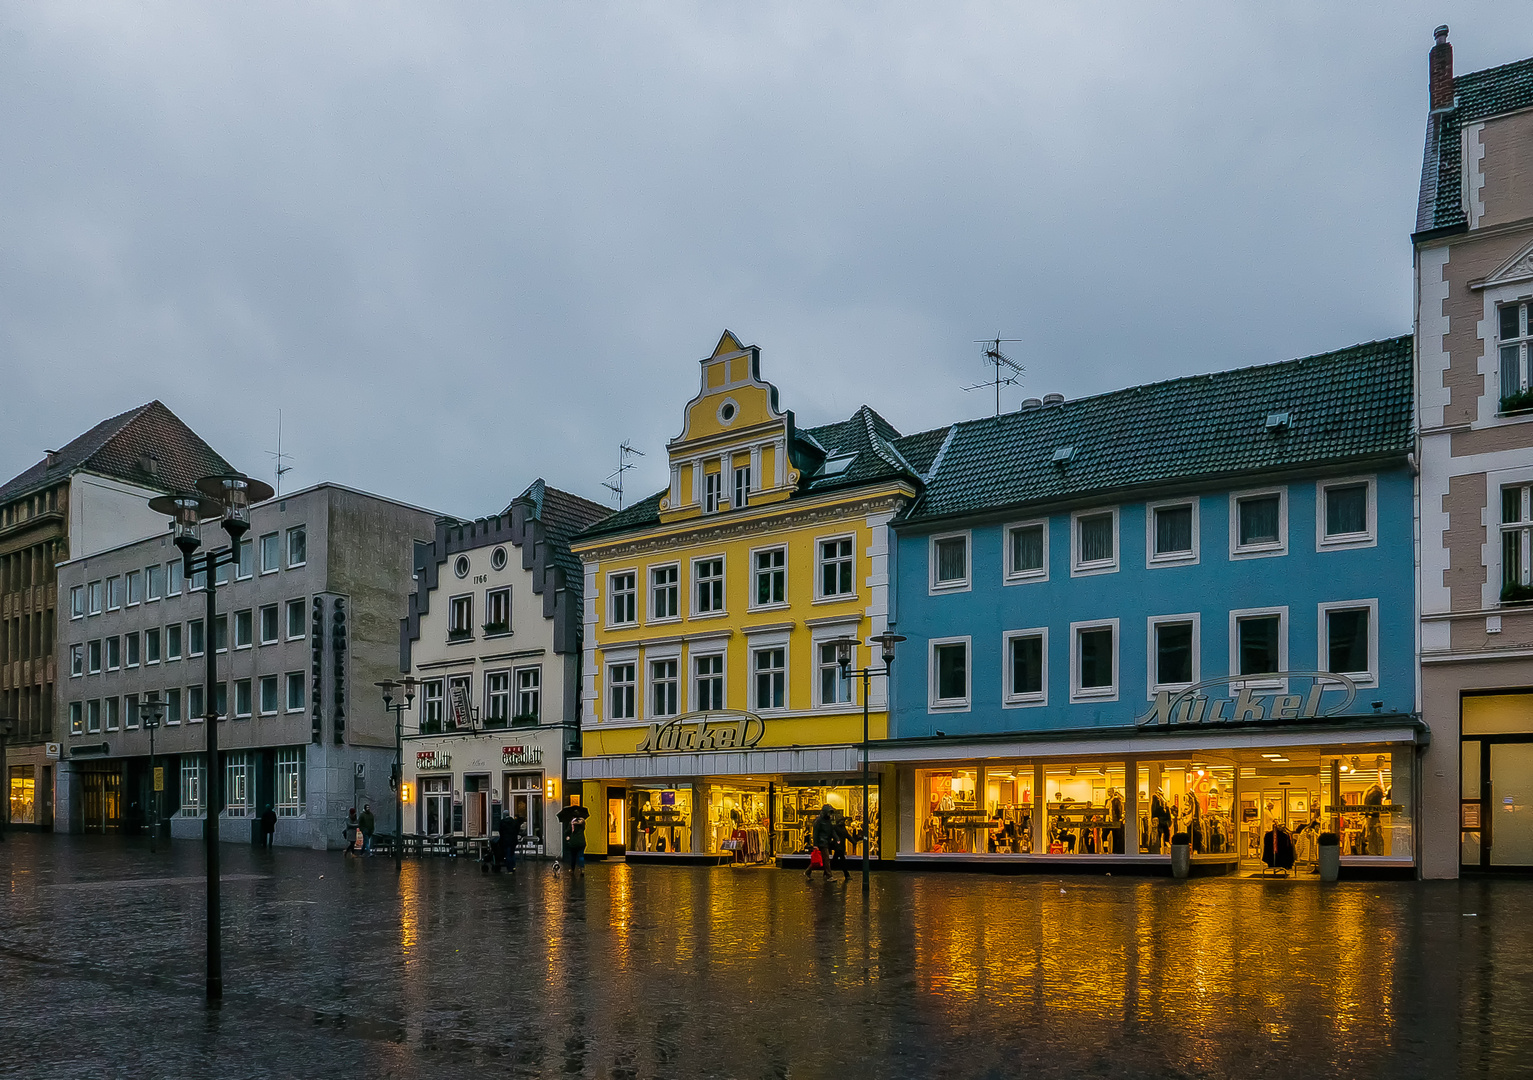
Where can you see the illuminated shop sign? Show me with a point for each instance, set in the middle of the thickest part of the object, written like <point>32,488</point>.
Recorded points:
<point>703,731</point>
<point>432,759</point>
<point>521,755</point>
<point>1253,703</point>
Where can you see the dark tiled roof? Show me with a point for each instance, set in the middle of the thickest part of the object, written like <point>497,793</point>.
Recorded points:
<point>921,448</point>
<point>564,515</point>
<point>1346,405</point>
<point>1478,95</point>
<point>118,448</point>
<point>873,442</point>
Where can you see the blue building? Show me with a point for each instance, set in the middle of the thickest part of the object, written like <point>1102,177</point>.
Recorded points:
<point>1182,607</point>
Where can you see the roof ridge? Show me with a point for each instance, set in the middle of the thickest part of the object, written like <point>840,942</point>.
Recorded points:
<point>1526,61</point>
<point>876,441</point>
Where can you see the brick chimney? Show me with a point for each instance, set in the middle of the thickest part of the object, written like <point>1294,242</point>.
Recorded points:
<point>1441,64</point>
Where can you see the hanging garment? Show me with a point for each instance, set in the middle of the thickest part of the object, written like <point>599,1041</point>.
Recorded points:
<point>1277,848</point>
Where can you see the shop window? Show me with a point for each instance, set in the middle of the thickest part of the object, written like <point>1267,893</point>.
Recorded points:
<point>1094,660</point>
<point>736,823</point>
<point>529,693</point>
<point>1195,798</point>
<point>1173,528</point>
<point>665,593</point>
<point>949,560</point>
<point>952,819</point>
<point>797,808</point>
<point>1515,343</point>
<point>660,820</point>
<point>1375,817</point>
<point>1259,641</point>
<point>620,692</point>
<point>524,799</point>
<point>436,805</point>
<point>1087,812</point>
<point>664,696</point>
<point>22,795</point>
<point>1095,542</point>
<point>237,785</point>
<point>1174,648</point>
<point>1516,543</point>
<point>289,781</point>
<point>708,682</point>
<point>1027,552</point>
<point>1349,640</point>
<point>835,689</point>
<point>1026,667</point>
<point>1259,523</point>
<point>497,699</point>
<point>1345,513</point>
<point>771,677</point>
<point>836,567</point>
<point>191,787</point>
<point>624,594</point>
<point>948,676</point>
<point>770,571</point>
<point>708,575</point>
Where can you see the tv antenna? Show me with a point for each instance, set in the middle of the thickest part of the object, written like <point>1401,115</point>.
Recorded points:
<point>1007,371</point>
<point>278,457</point>
<point>624,452</point>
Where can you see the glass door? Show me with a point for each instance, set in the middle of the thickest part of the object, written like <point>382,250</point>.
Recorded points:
<point>617,819</point>
<point>1511,804</point>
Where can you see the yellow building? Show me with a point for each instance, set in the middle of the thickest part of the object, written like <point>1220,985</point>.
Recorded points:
<point>715,720</point>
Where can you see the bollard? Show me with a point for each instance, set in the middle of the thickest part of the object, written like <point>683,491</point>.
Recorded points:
<point>1330,856</point>
<point>1181,856</point>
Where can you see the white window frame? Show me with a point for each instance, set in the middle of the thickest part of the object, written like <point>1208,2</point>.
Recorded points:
<point>1010,576</point>
<point>249,704</point>
<point>630,660</point>
<point>261,684</point>
<point>723,579</point>
<point>489,607</point>
<point>287,690</point>
<point>957,585</point>
<point>235,629</point>
<point>77,718</point>
<point>1236,616</point>
<point>288,801</point>
<point>1009,698</point>
<point>304,531</point>
<point>113,588</point>
<point>1344,541</point>
<point>1079,693</point>
<point>433,693</point>
<point>154,583</point>
<point>112,707</point>
<point>751,602</point>
<point>651,658</point>
<point>497,687</point>
<point>676,588</point>
<point>935,704</point>
<point>276,539</point>
<point>632,595</point>
<point>1151,675</point>
<point>713,491</point>
<point>133,590</point>
<point>819,568</point>
<point>245,544</point>
<point>77,602</point>
<point>741,472</point>
<point>519,690</point>
<point>93,716</point>
<point>466,632</point>
<point>276,618</point>
<point>771,643</point>
<point>287,615</point>
<point>1259,551</point>
<point>694,655</point>
<point>154,634</point>
<point>77,661</point>
<point>95,593</point>
<point>1181,558</point>
<point>1096,566</point>
<point>1323,652</point>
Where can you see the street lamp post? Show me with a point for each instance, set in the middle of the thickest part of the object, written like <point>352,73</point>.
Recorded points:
<point>7,725</point>
<point>227,496</point>
<point>845,647</point>
<point>149,712</point>
<point>396,782</point>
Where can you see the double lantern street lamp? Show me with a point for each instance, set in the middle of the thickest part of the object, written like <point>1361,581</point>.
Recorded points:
<point>150,710</point>
<point>845,650</point>
<point>396,782</point>
<point>228,497</point>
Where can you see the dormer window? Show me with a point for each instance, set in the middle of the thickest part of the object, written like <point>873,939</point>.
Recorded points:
<point>835,466</point>
<point>711,485</point>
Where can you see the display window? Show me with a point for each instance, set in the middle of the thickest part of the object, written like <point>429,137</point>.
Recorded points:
<point>660,819</point>
<point>797,808</point>
<point>1009,809</point>
<point>953,821</point>
<point>1373,811</point>
<point>1192,797</point>
<point>737,823</point>
<point>436,805</point>
<point>1086,808</point>
<point>524,799</point>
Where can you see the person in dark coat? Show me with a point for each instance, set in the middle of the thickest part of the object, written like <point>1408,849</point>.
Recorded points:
<point>838,844</point>
<point>510,829</point>
<point>575,844</point>
<point>367,823</point>
<point>268,827</point>
<point>350,830</point>
<point>823,835</point>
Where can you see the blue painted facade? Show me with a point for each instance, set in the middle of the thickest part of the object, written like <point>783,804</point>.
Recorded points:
<point>1307,575</point>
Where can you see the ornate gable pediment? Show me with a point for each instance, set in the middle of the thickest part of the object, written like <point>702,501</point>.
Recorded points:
<point>1518,268</point>
<point>734,439</point>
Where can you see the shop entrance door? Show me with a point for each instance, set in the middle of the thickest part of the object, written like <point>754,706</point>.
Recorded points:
<point>617,820</point>
<point>101,801</point>
<point>1511,804</point>
<point>476,805</point>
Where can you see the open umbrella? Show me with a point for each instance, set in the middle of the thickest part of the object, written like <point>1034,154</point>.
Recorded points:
<point>570,813</point>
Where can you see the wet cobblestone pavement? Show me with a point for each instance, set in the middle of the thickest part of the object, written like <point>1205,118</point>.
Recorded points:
<point>350,967</point>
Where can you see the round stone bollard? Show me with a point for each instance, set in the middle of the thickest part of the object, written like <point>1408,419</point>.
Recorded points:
<point>1330,856</point>
<point>1181,856</point>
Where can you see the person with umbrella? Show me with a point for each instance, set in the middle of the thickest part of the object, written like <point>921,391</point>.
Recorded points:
<point>574,820</point>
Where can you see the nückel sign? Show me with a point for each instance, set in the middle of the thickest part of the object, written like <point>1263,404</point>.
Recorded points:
<point>1253,703</point>
<point>703,731</point>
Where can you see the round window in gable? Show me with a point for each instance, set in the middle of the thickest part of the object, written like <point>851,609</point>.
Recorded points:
<point>498,558</point>
<point>728,411</point>
<point>461,566</point>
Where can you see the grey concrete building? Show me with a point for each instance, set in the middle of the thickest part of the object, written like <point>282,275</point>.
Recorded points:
<point>307,623</point>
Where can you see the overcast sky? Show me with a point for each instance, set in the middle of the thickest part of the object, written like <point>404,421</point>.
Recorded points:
<point>462,246</point>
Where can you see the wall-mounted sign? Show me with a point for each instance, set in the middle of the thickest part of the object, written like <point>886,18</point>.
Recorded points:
<point>521,755</point>
<point>1253,703</point>
<point>703,731</point>
<point>432,759</point>
<point>51,751</point>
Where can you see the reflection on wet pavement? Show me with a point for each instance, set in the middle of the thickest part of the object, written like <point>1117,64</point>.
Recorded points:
<point>339,966</point>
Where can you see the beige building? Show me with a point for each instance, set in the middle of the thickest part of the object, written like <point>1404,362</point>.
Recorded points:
<point>1474,346</point>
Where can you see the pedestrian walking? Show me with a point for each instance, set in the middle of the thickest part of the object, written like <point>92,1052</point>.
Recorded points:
<point>822,835</point>
<point>575,844</point>
<point>511,828</point>
<point>349,831</point>
<point>268,827</point>
<point>367,823</point>
<point>839,838</point>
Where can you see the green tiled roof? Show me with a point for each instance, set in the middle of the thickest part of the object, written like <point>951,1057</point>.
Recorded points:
<point>1478,95</point>
<point>1351,404</point>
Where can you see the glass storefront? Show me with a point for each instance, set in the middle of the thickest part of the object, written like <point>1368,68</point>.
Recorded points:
<point>1496,785</point>
<point>798,806</point>
<point>1192,797</point>
<point>1085,808</point>
<point>23,795</point>
<point>737,822</point>
<point>660,819</point>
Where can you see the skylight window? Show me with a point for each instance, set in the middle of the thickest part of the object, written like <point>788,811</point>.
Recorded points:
<point>835,466</point>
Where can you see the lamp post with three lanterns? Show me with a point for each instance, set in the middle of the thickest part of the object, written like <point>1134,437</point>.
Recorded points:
<point>845,649</point>
<point>228,497</point>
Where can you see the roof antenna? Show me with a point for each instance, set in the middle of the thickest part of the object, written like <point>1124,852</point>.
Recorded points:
<point>624,452</point>
<point>278,457</point>
<point>1007,371</point>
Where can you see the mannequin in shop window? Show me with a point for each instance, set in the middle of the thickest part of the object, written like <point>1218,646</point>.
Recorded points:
<point>1193,821</point>
<point>1160,823</point>
<point>1373,828</point>
<point>1115,816</point>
